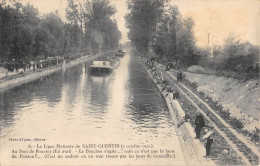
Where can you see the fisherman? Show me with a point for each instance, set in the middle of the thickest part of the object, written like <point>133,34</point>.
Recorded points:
<point>163,80</point>
<point>153,69</point>
<point>186,118</point>
<point>175,94</point>
<point>209,140</point>
<point>168,90</point>
<point>200,123</point>
<point>158,79</point>
<point>164,85</point>
<point>155,74</point>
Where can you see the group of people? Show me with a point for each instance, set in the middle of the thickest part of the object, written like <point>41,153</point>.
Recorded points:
<point>179,74</point>
<point>15,65</point>
<point>161,80</point>
<point>165,85</point>
<point>208,130</point>
<point>200,125</point>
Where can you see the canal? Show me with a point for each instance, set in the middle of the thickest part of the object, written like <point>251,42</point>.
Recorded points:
<point>73,107</point>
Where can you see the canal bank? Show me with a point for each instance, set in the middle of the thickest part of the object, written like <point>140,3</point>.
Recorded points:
<point>193,150</point>
<point>229,147</point>
<point>39,73</point>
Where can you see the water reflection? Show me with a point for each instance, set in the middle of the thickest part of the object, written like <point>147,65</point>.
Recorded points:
<point>74,106</point>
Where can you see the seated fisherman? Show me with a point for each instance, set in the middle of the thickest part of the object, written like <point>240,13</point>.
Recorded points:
<point>186,118</point>
<point>168,90</point>
<point>175,94</point>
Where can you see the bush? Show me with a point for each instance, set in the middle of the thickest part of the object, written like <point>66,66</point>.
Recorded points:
<point>236,123</point>
<point>164,60</point>
<point>225,114</point>
<point>194,85</point>
<point>255,136</point>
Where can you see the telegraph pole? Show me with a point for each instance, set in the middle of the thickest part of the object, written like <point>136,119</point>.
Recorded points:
<point>208,42</point>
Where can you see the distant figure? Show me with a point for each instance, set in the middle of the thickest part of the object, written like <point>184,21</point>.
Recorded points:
<point>179,76</point>
<point>24,67</point>
<point>186,118</point>
<point>155,74</point>
<point>158,78</point>
<point>168,90</point>
<point>163,80</point>
<point>209,140</point>
<point>153,69</point>
<point>257,68</point>
<point>29,66</point>
<point>167,67</point>
<point>200,123</point>
<point>175,94</point>
<point>164,86</point>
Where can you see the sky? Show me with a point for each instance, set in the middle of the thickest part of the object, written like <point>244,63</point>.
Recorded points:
<point>218,18</point>
<point>221,18</point>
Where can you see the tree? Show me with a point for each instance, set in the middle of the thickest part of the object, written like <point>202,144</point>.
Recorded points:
<point>52,26</point>
<point>96,23</point>
<point>185,42</point>
<point>11,32</point>
<point>24,35</point>
<point>18,24</point>
<point>165,33</point>
<point>239,56</point>
<point>30,15</point>
<point>142,20</point>
<point>73,39</point>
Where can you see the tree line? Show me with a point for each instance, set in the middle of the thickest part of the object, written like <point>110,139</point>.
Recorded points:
<point>159,30</point>
<point>25,35</point>
<point>234,55</point>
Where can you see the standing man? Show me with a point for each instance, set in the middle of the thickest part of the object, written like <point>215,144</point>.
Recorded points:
<point>180,75</point>
<point>33,66</point>
<point>200,123</point>
<point>24,66</point>
<point>209,140</point>
<point>167,67</point>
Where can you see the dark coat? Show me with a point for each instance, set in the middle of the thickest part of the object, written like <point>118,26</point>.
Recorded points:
<point>199,121</point>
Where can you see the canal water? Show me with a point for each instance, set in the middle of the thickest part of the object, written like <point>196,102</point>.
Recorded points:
<point>72,107</point>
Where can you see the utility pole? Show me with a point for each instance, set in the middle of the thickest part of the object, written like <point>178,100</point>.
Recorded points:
<point>208,42</point>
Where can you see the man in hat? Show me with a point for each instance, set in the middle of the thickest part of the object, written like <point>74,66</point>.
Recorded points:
<point>209,140</point>
<point>200,123</point>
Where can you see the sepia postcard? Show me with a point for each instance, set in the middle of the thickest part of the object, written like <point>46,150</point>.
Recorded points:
<point>129,82</point>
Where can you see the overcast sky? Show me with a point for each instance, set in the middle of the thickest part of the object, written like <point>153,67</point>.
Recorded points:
<point>219,18</point>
